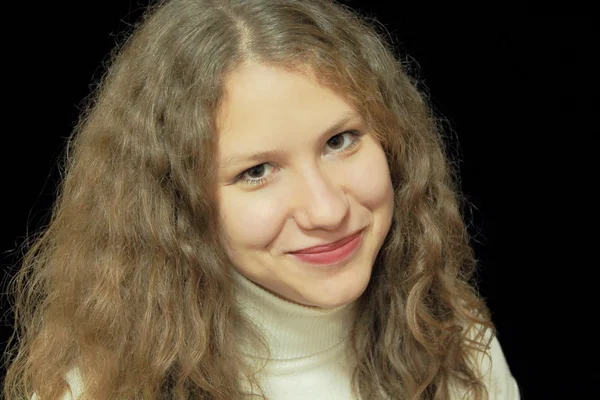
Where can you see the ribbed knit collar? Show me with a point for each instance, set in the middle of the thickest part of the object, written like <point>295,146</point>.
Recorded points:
<point>292,330</point>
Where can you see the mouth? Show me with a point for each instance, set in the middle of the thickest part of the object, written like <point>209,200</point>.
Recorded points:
<point>331,253</point>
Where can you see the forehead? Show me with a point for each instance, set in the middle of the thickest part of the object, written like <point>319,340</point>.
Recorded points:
<point>270,104</point>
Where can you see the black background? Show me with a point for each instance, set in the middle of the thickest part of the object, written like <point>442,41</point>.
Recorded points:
<point>517,93</point>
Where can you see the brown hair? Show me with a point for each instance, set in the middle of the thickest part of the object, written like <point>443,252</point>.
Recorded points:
<point>130,283</point>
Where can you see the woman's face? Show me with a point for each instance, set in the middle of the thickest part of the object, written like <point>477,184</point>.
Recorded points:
<point>299,168</point>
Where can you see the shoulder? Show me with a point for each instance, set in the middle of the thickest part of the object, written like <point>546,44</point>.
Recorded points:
<point>75,382</point>
<point>490,367</point>
<point>495,372</point>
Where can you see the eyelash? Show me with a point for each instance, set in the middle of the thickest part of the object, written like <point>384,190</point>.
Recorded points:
<point>261,181</point>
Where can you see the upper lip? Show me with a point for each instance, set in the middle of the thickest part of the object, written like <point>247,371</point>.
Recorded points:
<point>322,248</point>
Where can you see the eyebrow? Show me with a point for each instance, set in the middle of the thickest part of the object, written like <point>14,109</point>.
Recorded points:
<point>271,154</point>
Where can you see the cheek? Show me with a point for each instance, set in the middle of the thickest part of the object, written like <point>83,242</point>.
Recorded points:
<point>371,183</point>
<point>251,223</point>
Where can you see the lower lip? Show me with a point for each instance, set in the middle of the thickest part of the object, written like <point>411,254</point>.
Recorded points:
<point>333,256</point>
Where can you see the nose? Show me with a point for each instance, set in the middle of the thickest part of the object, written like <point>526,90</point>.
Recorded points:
<point>321,201</point>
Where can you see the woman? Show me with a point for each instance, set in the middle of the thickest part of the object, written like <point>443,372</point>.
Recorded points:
<point>256,203</point>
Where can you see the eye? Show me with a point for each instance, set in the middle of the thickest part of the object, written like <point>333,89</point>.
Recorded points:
<point>255,175</point>
<point>344,141</point>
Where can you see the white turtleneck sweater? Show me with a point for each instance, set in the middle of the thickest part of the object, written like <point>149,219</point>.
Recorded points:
<point>308,358</point>
<point>308,349</point>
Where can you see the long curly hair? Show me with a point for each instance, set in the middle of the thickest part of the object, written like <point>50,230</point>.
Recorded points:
<point>130,283</point>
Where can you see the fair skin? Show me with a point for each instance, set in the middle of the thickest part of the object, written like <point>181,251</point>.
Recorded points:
<point>324,176</point>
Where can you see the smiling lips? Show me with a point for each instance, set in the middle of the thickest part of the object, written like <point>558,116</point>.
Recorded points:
<point>330,253</point>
